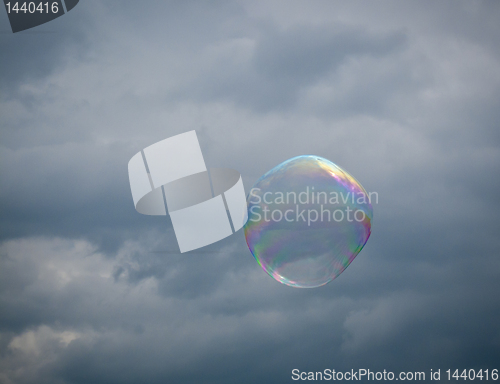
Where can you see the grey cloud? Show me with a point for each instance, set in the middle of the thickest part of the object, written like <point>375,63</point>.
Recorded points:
<point>269,71</point>
<point>103,329</point>
<point>402,96</point>
<point>305,54</point>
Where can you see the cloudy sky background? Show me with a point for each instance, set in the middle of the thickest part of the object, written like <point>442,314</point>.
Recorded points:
<point>405,96</point>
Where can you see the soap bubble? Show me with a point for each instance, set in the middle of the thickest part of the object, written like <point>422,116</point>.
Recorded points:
<point>307,221</point>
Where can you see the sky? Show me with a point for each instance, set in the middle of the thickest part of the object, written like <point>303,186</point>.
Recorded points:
<point>403,95</point>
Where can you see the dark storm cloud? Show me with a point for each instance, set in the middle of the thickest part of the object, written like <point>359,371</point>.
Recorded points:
<point>283,63</point>
<point>402,96</point>
<point>140,332</point>
<point>61,195</point>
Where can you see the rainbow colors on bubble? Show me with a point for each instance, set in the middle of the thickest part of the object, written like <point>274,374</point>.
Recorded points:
<point>307,221</point>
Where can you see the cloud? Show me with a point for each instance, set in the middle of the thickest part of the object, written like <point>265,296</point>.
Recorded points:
<point>67,303</point>
<point>268,72</point>
<point>404,97</point>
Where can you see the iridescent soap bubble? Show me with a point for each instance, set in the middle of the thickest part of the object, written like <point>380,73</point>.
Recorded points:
<point>307,220</point>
